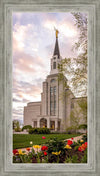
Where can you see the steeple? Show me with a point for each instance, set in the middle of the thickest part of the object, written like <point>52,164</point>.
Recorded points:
<point>56,58</point>
<point>56,50</point>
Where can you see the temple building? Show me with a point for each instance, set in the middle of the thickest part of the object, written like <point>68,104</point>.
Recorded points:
<point>52,111</point>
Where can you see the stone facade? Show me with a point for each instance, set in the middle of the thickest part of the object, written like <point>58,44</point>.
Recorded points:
<point>55,108</point>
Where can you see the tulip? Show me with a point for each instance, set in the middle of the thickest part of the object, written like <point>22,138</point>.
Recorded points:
<point>69,142</point>
<point>81,141</point>
<point>45,153</point>
<point>68,147</point>
<point>56,153</point>
<point>28,149</point>
<point>20,152</point>
<point>44,148</point>
<point>37,146</point>
<point>15,151</point>
<point>43,137</point>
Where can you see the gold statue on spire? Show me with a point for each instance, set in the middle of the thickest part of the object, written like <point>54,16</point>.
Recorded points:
<point>56,30</point>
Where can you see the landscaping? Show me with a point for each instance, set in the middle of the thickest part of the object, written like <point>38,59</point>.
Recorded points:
<point>54,150</point>
<point>23,140</point>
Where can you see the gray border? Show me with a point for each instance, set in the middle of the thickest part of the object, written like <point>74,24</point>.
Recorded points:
<point>6,9</point>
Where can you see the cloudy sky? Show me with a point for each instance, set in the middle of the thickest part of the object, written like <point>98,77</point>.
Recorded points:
<point>33,46</point>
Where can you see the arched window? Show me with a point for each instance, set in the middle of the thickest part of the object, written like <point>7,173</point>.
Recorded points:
<point>43,123</point>
<point>54,65</point>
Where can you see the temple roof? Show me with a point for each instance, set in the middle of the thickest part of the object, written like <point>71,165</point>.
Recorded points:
<point>56,50</point>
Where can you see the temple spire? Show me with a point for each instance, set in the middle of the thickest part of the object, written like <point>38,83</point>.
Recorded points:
<point>56,50</point>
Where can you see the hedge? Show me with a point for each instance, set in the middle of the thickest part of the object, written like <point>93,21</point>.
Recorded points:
<point>26,127</point>
<point>39,131</point>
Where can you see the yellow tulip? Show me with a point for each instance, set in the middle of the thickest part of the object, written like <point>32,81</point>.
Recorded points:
<point>68,147</point>
<point>81,141</point>
<point>56,153</point>
<point>36,146</point>
<point>20,152</point>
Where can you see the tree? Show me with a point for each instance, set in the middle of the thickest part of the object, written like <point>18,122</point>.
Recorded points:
<point>16,125</point>
<point>78,116</point>
<point>76,68</point>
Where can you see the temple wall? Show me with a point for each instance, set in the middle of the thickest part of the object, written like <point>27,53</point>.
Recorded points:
<point>31,111</point>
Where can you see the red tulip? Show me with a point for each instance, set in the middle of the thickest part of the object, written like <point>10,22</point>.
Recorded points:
<point>43,148</point>
<point>15,151</point>
<point>43,137</point>
<point>28,149</point>
<point>80,149</point>
<point>45,153</point>
<point>69,142</point>
<point>86,143</point>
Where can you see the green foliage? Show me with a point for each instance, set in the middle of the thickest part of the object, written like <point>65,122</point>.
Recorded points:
<point>76,68</point>
<point>26,127</point>
<point>68,160</point>
<point>72,129</point>
<point>56,152</point>
<point>55,145</point>
<point>75,119</point>
<point>79,113</point>
<point>83,107</point>
<point>84,158</point>
<point>23,140</point>
<point>84,138</point>
<point>16,126</point>
<point>80,76</point>
<point>74,159</point>
<point>83,126</point>
<point>17,129</point>
<point>39,131</point>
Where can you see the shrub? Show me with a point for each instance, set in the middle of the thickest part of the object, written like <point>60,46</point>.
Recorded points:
<point>17,129</point>
<point>71,130</point>
<point>39,131</point>
<point>83,126</point>
<point>55,145</point>
<point>26,127</point>
<point>56,150</point>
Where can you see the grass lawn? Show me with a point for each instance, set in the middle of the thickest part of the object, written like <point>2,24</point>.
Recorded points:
<point>23,140</point>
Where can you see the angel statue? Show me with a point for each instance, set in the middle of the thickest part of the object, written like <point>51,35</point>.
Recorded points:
<point>56,30</point>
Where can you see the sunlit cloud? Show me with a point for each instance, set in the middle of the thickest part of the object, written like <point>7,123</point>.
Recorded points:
<point>65,29</point>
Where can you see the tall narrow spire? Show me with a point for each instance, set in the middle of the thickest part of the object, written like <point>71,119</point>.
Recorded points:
<point>56,50</point>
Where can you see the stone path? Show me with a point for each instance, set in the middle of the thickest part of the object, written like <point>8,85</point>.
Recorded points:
<point>75,139</point>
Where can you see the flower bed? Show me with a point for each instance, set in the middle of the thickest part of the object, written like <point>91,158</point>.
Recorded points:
<point>54,151</point>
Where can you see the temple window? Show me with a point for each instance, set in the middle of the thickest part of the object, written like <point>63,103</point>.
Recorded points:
<point>35,124</point>
<point>53,100</point>
<point>53,80</point>
<point>54,65</point>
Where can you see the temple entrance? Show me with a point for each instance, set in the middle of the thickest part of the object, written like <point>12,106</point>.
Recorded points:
<point>43,123</point>
<point>52,125</point>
